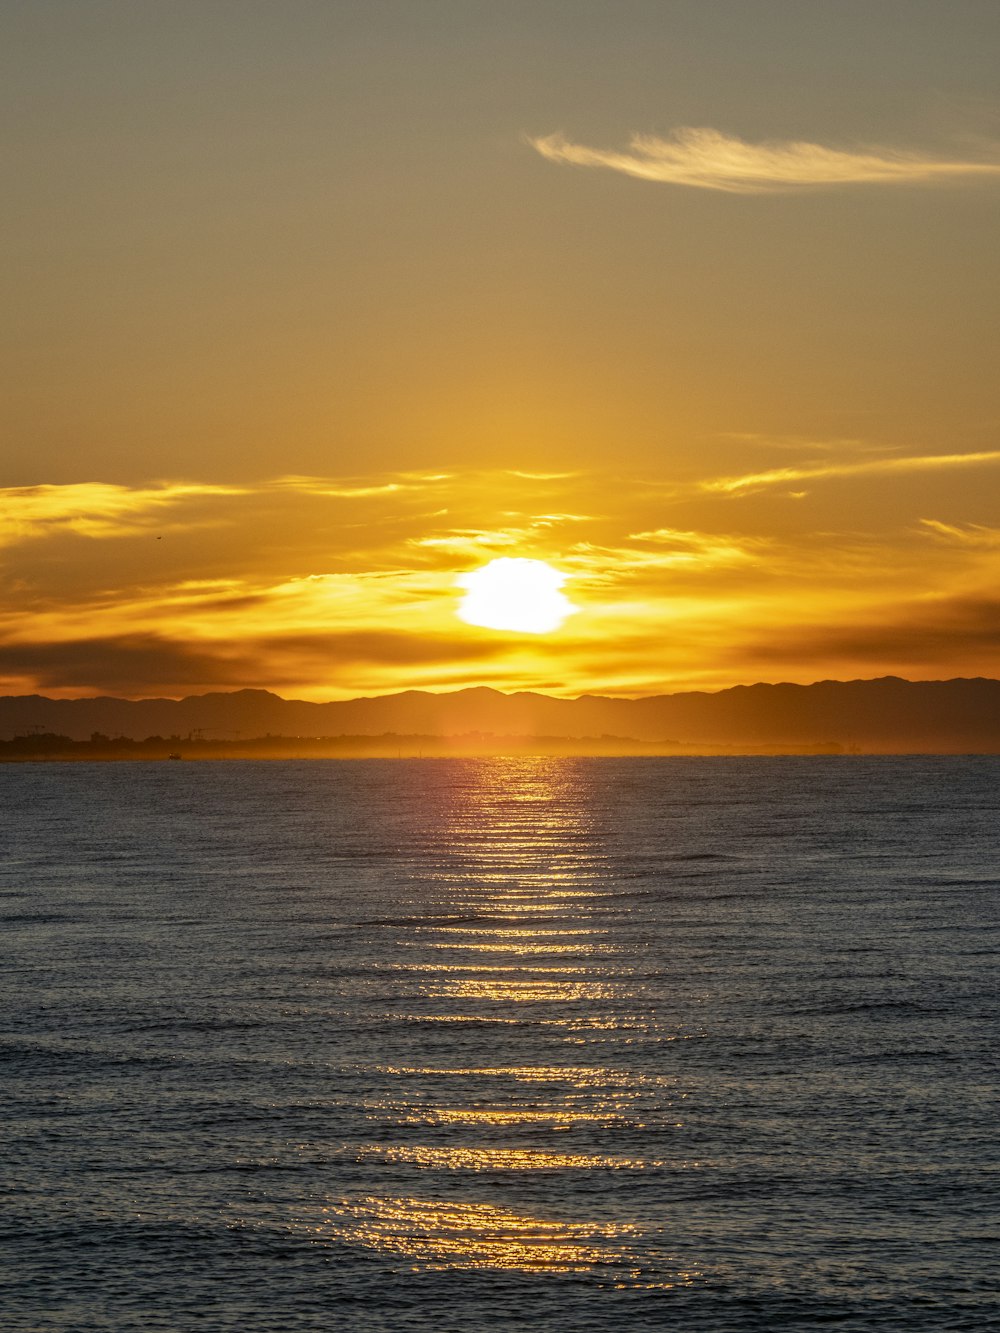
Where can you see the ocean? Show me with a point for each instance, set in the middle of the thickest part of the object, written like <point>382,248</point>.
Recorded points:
<point>457,1045</point>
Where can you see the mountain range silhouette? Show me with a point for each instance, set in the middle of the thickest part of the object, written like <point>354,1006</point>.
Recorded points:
<point>887,715</point>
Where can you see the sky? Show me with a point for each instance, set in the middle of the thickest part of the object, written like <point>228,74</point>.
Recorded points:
<point>311,310</point>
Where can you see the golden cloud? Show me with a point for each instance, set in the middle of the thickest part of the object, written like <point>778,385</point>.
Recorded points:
<point>970,534</point>
<point>92,509</point>
<point>358,488</point>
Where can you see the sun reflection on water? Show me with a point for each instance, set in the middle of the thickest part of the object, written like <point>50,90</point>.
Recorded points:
<point>435,1234</point>
<point>486,1159</point>
<point>512,929</point>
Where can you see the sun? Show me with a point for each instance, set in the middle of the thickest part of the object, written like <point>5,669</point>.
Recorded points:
<point>515,594</point>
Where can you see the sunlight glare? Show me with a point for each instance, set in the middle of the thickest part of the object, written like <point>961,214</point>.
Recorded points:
<point>515,594</point>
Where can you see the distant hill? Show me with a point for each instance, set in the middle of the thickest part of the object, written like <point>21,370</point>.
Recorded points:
<point>888,715</point>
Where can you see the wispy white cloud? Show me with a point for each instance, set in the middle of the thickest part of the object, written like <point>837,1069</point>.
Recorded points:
<point>710,160</point>
<point>783,476</point>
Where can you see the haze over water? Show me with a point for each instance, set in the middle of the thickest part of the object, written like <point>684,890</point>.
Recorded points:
<point>700,1044</point>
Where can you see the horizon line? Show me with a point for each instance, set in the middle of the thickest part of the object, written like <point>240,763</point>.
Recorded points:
<point>491,689</point>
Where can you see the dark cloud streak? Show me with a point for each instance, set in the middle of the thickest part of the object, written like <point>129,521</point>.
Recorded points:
<point>969,626</point>
<point>117,663</point>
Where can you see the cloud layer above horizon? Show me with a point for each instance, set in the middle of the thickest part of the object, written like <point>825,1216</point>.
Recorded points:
<point>710,160</point>
<point>332,587</point>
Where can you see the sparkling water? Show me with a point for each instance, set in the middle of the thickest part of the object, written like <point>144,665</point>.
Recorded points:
<point>685,1044</point>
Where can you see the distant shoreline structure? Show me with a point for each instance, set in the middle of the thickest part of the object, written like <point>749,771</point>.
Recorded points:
<point>43,748</point>
<point>887,715</point>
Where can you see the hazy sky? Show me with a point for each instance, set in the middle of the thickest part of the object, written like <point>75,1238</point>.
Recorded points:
<point>295,294</point>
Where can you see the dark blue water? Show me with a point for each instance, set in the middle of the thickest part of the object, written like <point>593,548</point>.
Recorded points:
<point>457,1045</point>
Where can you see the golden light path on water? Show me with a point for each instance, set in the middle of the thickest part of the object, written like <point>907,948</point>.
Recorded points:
<point>478,1235</point>
<point>514,933</point>
<point>504,1159</point>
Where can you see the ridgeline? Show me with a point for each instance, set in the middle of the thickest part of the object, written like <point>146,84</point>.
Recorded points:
<point>885,716</point>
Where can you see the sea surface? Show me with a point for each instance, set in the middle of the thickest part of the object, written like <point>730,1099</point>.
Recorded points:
<point>457,1045</point>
